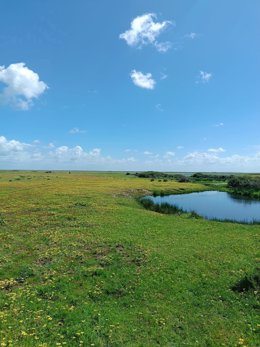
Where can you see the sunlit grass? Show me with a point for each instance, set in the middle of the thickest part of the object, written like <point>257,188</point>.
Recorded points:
<point>84,264</point>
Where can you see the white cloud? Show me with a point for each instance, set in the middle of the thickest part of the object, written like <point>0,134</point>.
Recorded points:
<point>141,80</point>
<point>20,155</point>
<point>145,30</point>
<point>200,157</point>
<point>74,131</point>
<point>205,76</point>
<point>199,161</point>
<point>16,151</point>
<point>11,146</point>
<point>216,150</point>
<point>22,86</point>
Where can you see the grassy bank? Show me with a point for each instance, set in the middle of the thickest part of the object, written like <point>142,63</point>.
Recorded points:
<point>83,264</point>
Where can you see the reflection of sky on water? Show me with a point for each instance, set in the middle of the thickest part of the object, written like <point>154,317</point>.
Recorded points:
<point>215,205</point>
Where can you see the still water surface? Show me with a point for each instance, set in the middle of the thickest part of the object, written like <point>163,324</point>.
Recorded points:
<point>215,205</point>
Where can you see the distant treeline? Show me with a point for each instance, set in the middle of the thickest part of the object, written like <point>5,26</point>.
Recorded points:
<point>198,176</point>
<point>156,175</point>
<point>244,185</point>
<point>180,177</point>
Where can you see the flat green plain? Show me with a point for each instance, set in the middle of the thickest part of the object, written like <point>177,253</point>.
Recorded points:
<point>82,263</point>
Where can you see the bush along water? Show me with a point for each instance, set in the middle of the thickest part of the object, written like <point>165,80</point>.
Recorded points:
<point>245,186</point>
<point>160,208</point>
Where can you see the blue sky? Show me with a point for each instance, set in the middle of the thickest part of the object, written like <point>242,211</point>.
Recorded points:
<point>130,85</point>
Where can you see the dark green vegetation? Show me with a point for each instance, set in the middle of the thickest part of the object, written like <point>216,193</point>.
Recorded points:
<point>156,175</point>
<point>161,208</point>
<point>244,185</point>
<point>84,264</point>
<point>165,207</point>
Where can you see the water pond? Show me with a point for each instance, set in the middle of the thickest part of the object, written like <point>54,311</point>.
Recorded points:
<point>214,205</point>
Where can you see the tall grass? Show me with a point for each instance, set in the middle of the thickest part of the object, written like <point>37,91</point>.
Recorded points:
<point>161,208</point>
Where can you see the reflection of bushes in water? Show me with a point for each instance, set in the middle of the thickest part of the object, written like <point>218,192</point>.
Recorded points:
<point>161,208</point>
<point>250,282</point>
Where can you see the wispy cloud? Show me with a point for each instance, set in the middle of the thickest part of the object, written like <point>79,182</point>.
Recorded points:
<point>142,80</point>
<point>204,76</point>
<point>74,131</point>
<point>164,76</point>
<point>191,35</point>
<point>169,155</point>
<point>22,86</point>
<point>144,31</point>
<point>218,125</point>
<point>159,107</point>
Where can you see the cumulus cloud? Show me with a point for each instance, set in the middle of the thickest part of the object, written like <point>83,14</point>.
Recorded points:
<point>141,80</point>
<point>212,161</point>
<point>20,155</point>
<point>145,30</point>
<point>204,76</point>
<point>22,86</point>
<point>199,157</point>
<point>11,146</point>
<point>16,151</point>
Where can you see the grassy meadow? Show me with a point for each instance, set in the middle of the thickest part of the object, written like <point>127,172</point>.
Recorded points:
<point>82,263</point>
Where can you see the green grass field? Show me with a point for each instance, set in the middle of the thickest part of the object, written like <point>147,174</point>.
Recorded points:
<point>84,264</point>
